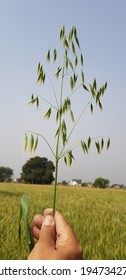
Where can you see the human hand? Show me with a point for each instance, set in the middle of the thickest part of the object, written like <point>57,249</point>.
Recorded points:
<point>56,240</point>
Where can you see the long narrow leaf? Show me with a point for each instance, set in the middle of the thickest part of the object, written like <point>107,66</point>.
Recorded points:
<point>31,143</point>
<point>24,214</point>
<point>25,142</point>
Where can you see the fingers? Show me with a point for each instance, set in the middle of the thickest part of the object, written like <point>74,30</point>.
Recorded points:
<point>61,223</point>
<point>38,221</point>
<point>56,239</point>
<point>35,228</point>
<point>62,227</point>
<point>48,211</point>
<point>47,234</point>
<point>44,249</point>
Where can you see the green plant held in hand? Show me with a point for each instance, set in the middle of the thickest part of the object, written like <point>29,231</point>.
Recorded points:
<point>24,213</point>
<point>70,69</point>
<point>71,61</point>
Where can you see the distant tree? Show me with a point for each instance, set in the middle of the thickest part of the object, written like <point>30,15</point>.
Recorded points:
<point>101,183</point>
<point>84,184</point>
<point>6,174</point>
<point>38,170</point>
<point>64,183</point>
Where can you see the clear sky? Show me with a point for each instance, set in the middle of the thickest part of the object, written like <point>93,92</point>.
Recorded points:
<point>27,29</point>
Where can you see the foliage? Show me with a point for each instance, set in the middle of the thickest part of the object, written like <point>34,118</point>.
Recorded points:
<point>64,182</point>
<point>6,174</point>
<point>101,183</point>
<point>69,68</point>
<point>84,184</point>
<point>98,220</point>
<point>38,170</point>
<point>24,213</point>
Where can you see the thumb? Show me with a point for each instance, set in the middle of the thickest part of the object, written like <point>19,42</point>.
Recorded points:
<point>48,233</point>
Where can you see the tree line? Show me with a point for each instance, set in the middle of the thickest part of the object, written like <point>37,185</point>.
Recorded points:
<point>39,170</point>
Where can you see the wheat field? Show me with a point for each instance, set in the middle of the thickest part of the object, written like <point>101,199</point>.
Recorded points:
<point>97,216</point>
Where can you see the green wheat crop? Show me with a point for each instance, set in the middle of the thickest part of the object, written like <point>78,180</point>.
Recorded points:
<point>98,218</point>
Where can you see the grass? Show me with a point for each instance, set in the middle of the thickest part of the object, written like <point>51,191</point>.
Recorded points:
<point>98,218</point>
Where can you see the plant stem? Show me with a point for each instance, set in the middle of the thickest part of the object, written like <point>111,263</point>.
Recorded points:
<point>57,145</point>
<point>55,187</point>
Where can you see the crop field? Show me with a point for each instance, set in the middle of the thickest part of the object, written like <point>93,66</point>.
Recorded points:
<point>98,218</point>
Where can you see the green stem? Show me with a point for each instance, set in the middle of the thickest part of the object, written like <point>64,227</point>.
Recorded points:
<point>57,146</point>
<point>55,187</point>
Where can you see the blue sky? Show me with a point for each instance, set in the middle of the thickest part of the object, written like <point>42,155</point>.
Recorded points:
<point>27,30</point>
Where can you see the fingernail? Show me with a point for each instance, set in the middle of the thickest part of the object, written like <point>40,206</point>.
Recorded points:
<point>49,220</point>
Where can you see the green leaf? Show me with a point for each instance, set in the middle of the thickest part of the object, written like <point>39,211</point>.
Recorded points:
<point>48,56</point>
<point>102,144</point>
<point>68,158</point>
<point>85,87</point>
<point>84,147</point>
<point>65,43</point>
<point>76,61</point>
<point>58,131</point>
<point>31,143</point>
<point>63,30</point>
<point>33,100</point>
<point>89,142</point>
<point>58,71</point>
<point>94,84</point>
<point>25,142</point>
<point>57,115</point>
<point>70,35</point>
<point>75,31</point>
<point>91,108</point>
<point>38,67</point>
<point>82,76</point>
<point>77,41</point>
<point>48,113</point>
<point>66,105</point>
<point>35,144</point>
<point>64,137</point>
<point>75,78</point>
<point>37,102</point>
<point>72,115</point>
<point>92,91</point>
<point>100,105</point>
<point>73,48</point>
<point>54,55</point>
<point>97,147</point>
<point>66,63</point>
<point>41,75</point>
<point>76,38</point>
<point>82,60</point>
<point>105,85</point>
<point>24,214</point>
<point>71,83</point>
<point>63,126</point>
<point>108,144</point>
<point>61,34</point>
<point>70,63</point>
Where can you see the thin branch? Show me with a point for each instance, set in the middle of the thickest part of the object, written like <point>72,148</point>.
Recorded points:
<point>76,125</point>
<point>53,91</point>
<point>44,140</point>
<point>47,102</point>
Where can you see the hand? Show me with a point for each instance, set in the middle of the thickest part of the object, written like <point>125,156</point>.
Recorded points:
<point>56,240</point>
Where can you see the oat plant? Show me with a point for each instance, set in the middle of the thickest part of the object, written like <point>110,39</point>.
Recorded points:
<point>68,70</point>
